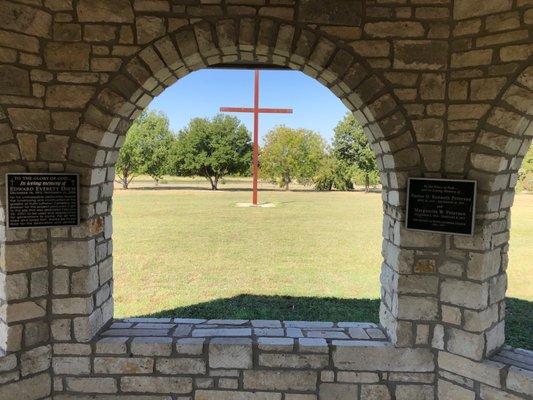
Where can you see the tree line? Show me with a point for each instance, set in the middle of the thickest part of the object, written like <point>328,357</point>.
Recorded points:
<point>222,146</point>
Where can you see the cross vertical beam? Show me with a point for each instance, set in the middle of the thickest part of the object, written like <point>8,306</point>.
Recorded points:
<point>256,110</point>
<point>255,158</point>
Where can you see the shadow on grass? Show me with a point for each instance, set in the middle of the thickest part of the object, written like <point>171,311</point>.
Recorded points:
<point>519,323</point>
<point>248,306</point>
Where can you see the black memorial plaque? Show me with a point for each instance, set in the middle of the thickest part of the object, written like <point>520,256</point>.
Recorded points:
<point>441,205</point>
<point>42,200</point>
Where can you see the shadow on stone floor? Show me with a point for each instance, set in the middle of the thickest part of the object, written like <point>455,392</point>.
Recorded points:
<point>519,329</point>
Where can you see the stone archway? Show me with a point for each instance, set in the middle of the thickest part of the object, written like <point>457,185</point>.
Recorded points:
<point>441,88</point>
<point>159,64</point>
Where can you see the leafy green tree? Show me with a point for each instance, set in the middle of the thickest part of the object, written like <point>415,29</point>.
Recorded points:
<point>213,148</point>
<point>333,173</point>
<point>291,154</point>
<point>525,173</point>
<point>129,161</point>
<point>350,145</point>
<point>146,149</point>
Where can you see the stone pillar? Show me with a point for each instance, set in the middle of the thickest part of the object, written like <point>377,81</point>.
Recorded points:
<point>25,353</point>
<point>409,309</point>
<point>472,291</point>
<point>81,289</point>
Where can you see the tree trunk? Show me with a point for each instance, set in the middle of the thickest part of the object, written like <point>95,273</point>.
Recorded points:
<point>367,184</point>
<point>214,183</point>
<point>125,181</point>
<point>286,187</point>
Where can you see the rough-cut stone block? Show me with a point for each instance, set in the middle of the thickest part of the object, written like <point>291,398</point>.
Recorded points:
<point>463,9</point>
<point>420,54</point>
<point>375,392</point>
<point>181,366</point>
<point>308,324</point>
<point>230,353</point>
<point>275,344</point>
<point>150,384</point>
<point>261,323</point>
<point>471,58</point>
<point>24,311</point>
<point>35,360</point>
<point>491,393</point>
<point>467,344</point>
<point>340,12</point>
<point>14,80</point>
<point>408,29</point>
<point>415,392</point>
<point>222,332</point>
<point>71,365</point>
<point>8,363</point>
<point>315,345</point>
<point>337,391</point>
<point>192,346</point>
<point>149,28</point>
<point>122,366</point>
<point>74,253</point>
<point>28,20</point>
<point>464,293</point>
<point>105,11</point>
<point>91,385</point>
<point>289,396</point>
<point>429,129</point>
<point>33,388</point>
<point>151,346</point>
<point>21,257</point>
<point>280,380</point>
<point>382,358</point>
<point>68,96</point>
<point>300,361</point>
<point>72,349</point>
<point>451,391</point>
<point>417,308</point>
<point>520,380</point>
<point>73,305</point>
<point>67,56</point>
<point>235,395</point>
<point>485,371</point>
<point>357,377</point>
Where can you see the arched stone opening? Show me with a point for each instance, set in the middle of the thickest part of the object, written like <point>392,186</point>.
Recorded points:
<point>201,45</point>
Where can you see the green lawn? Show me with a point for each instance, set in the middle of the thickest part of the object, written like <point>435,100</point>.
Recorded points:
<point>314,256</point>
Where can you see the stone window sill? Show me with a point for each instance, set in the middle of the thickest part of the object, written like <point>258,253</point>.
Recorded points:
<point>518,358</point>
<point>158,336</point>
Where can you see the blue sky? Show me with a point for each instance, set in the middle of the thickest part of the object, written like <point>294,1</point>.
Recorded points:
<point>200,94</point>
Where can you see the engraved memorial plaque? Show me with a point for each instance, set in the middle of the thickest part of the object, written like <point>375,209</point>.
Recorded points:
<point>42,200</point>
<point>441,205</point>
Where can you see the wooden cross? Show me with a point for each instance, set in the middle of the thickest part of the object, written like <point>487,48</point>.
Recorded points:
<point>256,110</point>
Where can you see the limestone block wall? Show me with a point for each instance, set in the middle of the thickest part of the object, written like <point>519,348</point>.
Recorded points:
<point>239,359</point>
<point>443,89</point>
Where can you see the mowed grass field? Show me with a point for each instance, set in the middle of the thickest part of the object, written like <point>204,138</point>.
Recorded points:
<point>183,250</point>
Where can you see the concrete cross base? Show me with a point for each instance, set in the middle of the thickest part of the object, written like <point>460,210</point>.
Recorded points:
<point>260,205</point>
